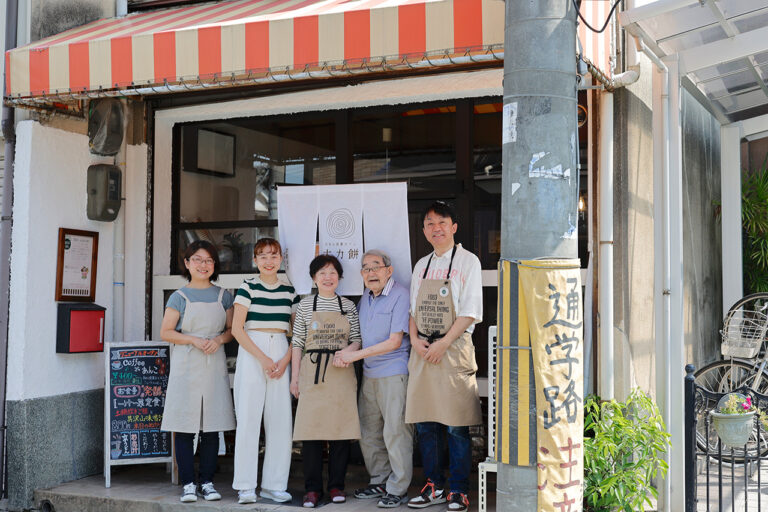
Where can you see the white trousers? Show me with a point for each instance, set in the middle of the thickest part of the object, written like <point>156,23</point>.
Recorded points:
<point>257,395</point>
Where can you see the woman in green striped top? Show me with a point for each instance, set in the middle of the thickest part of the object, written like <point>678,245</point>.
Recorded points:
<point>264,306</point>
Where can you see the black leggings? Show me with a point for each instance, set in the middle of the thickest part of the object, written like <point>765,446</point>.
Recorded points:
<point>208,449</point>
<point>338,458</point>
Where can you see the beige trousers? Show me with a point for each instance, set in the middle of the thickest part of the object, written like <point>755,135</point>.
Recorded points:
<point>387,441</point>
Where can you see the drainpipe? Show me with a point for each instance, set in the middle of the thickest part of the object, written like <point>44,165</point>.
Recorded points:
<point>663,347</point>
<point>118,264</point>
<point>121,8</point>
<point>605,279</point>
<point>6,221</point>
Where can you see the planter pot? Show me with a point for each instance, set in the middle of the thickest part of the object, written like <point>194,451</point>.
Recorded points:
<point>733,429</point>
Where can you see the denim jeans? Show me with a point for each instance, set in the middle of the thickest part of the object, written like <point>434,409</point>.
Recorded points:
<point>431,439</point>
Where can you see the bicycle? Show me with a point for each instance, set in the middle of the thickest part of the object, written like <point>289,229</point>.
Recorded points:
<point>745,365</point>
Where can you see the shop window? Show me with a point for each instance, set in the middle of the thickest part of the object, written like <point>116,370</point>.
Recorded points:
<point>416,145</point>
<point>227,177</point>
<point>486,178</point>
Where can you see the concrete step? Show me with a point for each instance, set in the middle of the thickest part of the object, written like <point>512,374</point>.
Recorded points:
<point>148,488</point>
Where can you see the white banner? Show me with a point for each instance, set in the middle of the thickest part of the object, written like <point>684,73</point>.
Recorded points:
<point>297,227</point>
<point>346,212</point>
<point>341,231</point>
<point>385,216</point>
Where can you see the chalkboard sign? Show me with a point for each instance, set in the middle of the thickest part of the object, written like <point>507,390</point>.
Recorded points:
<point>136,382</point>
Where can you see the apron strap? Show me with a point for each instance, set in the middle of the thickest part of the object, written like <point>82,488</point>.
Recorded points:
<point>431,338</point>
<point>338,297</point>
<point>316,358</point>
<point>221,296</point>
<point>182,295</point>
<point>450,263</point>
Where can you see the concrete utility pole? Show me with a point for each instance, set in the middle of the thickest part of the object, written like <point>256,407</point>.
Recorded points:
<point>539,208</point>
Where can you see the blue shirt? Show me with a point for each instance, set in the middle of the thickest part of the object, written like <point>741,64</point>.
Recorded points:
<point>381,316</point>
<point>210,294</point>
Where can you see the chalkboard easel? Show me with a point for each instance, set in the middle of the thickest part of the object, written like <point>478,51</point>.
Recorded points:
<point>136,379</point>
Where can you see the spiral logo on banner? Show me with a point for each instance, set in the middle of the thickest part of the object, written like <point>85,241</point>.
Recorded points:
<point>340,224</point>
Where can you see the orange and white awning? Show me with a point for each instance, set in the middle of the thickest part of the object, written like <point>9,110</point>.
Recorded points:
<point>243,37</point>
<point>229,41</point>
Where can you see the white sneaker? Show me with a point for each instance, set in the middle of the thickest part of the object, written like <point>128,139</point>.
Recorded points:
<point>247,496</point>
<point>189,493</point>
<point>209,492</point>
<point>278,496</point>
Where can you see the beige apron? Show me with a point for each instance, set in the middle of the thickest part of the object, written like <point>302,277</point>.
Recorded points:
<point>198,396</point>
<point>327,409</point>
<point>445,392</point>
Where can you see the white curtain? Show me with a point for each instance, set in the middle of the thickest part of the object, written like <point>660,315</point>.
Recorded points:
<point>341,231</point>
<point>297,227</point>
<point>352,219</point>
<point>385,217</point>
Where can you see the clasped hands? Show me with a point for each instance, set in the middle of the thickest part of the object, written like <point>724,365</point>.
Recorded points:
<point>273,370</point>
<point>343,358</point>
<point>431,353</point>
<point>207,345</point>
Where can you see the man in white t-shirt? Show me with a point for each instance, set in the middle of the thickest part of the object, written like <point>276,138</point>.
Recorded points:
<point>446,303</point>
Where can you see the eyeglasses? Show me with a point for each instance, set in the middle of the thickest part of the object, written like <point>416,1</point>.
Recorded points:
<point>197,260</point>
<point>367,270</point>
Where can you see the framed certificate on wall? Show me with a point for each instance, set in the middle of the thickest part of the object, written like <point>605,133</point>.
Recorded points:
<point>76,265</point>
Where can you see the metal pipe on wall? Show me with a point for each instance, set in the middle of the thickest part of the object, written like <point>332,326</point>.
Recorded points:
<point>663,258</point>
<point>118,255</point>
<point>6,223</point>
<point>121,8</point>
<point>605,279</point>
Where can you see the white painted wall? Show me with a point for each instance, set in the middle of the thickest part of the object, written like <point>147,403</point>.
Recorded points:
<point>50,192</point>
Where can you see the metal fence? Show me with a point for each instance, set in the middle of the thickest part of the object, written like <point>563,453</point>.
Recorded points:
<point>720,477</point>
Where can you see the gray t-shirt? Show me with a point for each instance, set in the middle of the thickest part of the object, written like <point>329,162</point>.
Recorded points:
<point>210,294</point>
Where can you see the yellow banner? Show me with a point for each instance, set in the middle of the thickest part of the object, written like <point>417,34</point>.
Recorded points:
<point>552,295</point>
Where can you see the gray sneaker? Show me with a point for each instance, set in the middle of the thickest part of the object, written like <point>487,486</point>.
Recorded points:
<point>372,491</point>
<point>189,493</point>
<point>209,492</point>
<point>391,500</point>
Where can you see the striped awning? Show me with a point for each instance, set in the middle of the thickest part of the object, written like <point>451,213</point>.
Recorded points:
<point>246,37</point>
<point>242,41</point>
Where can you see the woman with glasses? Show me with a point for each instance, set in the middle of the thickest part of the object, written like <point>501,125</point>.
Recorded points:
<point>197,321</point>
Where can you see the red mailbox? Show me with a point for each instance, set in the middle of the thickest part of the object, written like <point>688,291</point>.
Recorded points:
<point>80,328</point>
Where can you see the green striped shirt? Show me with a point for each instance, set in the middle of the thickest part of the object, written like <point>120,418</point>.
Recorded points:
<point>269,305</point>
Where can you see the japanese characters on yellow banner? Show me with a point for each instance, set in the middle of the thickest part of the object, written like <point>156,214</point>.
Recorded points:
<point>552,294</point>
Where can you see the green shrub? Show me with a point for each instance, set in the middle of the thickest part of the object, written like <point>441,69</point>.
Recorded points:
<point>754,218</point>
<point>623,448</point>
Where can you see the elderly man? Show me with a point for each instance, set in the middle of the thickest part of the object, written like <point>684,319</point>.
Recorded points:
<point>446,303</point>
<point>387,442</point>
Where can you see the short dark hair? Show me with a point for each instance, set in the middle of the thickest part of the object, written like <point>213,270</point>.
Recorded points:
<point>441,208</point>
<point>207,247</point>
<point>322,261</point>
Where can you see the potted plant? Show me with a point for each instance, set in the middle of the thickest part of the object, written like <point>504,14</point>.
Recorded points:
<point>733,419</point>
<point>624,445</point>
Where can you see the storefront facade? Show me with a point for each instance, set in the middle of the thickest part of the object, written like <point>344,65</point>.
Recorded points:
<point>300,104</point>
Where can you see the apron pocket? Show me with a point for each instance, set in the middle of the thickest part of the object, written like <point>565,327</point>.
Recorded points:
<point>461,356</point>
